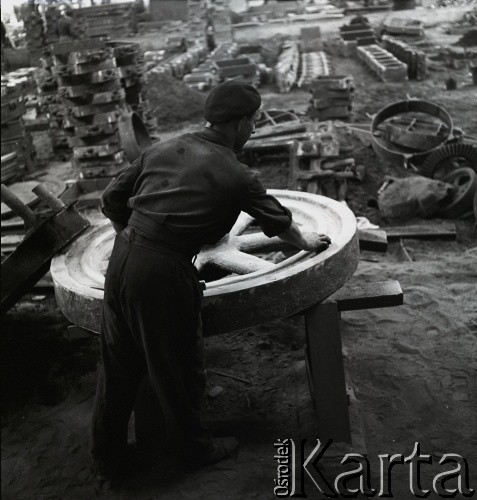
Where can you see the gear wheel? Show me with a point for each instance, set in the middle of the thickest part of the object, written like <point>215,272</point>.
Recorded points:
<point>464,181</point>
<point>445,159</point>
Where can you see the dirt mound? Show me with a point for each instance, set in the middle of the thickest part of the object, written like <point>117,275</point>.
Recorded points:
<point>172,102</point>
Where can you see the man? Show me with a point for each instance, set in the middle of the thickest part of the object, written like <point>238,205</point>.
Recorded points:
<point>176,197</point>
<point>210,37</point>
<point>64,27</point>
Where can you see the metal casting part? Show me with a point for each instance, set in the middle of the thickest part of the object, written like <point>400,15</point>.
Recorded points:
<point>446,156</point>
<point>393,154</point>
<point>134,135</point>
<point>257,292</point>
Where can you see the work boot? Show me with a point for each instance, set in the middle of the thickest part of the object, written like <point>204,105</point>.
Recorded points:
<point>218,449</point>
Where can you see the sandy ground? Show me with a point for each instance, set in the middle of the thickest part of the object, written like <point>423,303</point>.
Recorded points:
<point>413,367</point>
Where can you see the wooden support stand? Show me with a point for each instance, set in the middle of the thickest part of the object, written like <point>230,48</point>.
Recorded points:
<point>326,370</point>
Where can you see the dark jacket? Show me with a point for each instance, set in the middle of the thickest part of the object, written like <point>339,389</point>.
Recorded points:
<point>194,186</point>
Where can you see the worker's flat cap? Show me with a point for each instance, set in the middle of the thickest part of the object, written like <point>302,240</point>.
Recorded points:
<point>230,101</point>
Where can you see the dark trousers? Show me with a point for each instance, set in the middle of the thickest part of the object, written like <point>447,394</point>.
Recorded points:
<point>150,329</point>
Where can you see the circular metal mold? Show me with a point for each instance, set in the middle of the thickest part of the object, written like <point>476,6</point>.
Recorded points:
<point>393,153</point>
<point>258,291</point>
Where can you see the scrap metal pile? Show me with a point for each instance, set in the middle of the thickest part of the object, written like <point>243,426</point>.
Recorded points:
<point>308,155</point>
<point>324,165</point>
<point>17,150</point>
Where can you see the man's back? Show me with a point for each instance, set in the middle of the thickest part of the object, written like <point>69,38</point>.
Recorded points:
<point>192,184</point>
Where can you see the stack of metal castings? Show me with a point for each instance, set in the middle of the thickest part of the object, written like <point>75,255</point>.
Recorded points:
<point>91,92</point>
<point>286,69</point>
<point>106,19</point>
<point>415,59</point>
<point>313,64</point>
<point>180,65</point>
<point>311,40</point>
<point>357,33</point>
<point>322,166</point>
<point>331,97</point>
<point>52,107</point>
<point>383,64</point>
<point>205,76</point>
<point>239,68</point>
<point>257,54</point>
<point>130,64</point>
<point>18,154</point>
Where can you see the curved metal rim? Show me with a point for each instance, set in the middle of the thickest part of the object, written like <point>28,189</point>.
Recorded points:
<point>221,298</point>
<point>134,135</point>
<point>395,155</point>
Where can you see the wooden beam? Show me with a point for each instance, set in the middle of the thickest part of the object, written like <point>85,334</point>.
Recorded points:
<point>327,372</point>
<point>374,240</point>
<point>428,232</point>
<point>354,296</point>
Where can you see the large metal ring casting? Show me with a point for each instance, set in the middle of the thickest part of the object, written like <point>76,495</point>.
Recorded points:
<point>256,292</point>
<point>392,153</point>
<point>134,135</point>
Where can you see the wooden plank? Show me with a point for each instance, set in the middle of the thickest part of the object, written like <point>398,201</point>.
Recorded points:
<point>374,240</point>
<point>354,296</point>
<point>327,372</point>
<point>444,231</point>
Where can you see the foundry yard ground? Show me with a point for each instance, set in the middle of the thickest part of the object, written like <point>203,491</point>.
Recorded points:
<point>413,366</point>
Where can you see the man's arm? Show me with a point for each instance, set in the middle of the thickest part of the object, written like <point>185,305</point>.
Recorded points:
<point>305,240</point>
<point>114,200</point>
<point>276,220</point>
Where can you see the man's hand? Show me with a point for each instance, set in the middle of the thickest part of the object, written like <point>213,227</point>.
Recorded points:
<point>314,242</point>
<point>311,242</point>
